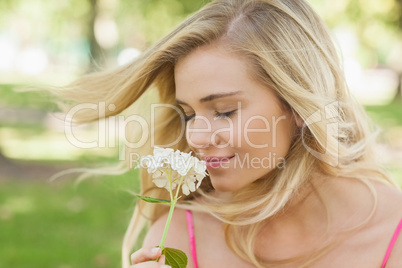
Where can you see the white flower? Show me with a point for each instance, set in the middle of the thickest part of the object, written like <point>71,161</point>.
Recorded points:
<point>169,168</point>
<point>188,185</point>
<point>149,162</point>
<point>160,179</point>
<point>199,166</point>
<point>162,151</point>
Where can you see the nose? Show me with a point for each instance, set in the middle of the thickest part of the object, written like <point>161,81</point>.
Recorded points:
<point>199,132</point>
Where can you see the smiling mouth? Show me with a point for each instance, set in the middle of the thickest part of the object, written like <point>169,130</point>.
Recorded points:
<point>216,162</point>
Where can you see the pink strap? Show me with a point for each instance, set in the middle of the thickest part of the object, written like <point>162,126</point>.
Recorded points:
<point>191,236</point>
<point>391,244</point>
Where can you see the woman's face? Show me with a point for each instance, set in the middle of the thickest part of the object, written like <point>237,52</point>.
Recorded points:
<point>233,122</point>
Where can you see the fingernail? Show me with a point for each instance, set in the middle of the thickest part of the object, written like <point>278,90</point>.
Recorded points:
<point>155,250</point>
<point>165,266</point>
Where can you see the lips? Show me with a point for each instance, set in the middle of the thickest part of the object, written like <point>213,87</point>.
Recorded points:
<point>216,161</point>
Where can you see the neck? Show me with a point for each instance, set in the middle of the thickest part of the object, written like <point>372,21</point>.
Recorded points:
<point>306,211</point>
<point>327,204</point>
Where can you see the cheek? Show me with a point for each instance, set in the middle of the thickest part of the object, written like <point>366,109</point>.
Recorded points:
<point>283,134</point>
<point>265,134</point>
<point>226,132</point>
<point>257,133</point>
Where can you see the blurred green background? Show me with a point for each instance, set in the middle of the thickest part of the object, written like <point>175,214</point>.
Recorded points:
<point>49,43</point>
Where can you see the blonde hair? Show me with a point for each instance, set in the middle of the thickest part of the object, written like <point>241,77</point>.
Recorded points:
<point>291,52</point>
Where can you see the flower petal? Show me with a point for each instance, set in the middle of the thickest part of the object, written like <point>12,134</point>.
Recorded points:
<point>161,182</point>
<point>165,162</point>
<point>185,189</point>
<point>157,174</point>
<point>200,167</point>
<point>191,186</point>
<point>199,183</point>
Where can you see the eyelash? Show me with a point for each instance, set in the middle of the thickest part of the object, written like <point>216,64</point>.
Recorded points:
<point>217,115</point>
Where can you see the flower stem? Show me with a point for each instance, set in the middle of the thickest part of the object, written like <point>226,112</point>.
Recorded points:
<point>178,187</point>
<point>172,205</point>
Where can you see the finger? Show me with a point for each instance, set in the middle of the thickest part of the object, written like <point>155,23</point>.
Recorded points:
<point>145,254</point>
<point>162,259</point>
<point>150,265</point>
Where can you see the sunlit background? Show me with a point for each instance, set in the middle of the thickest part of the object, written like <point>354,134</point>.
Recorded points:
<point>50,43</point>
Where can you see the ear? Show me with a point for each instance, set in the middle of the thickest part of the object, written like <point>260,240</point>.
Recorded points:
<point>299,121</point>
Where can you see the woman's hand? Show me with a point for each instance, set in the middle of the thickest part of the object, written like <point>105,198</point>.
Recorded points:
<point>141,258</point>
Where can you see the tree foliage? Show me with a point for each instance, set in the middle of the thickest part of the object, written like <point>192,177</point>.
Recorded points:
<point>65,26</point>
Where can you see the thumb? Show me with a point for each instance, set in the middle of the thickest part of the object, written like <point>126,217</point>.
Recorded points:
<point>162,259</point>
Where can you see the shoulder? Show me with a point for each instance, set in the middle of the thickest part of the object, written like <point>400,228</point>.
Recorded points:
<point>389,202</point>
<point>389,216</point>
<point>374,216</point>
<point>177,236</point>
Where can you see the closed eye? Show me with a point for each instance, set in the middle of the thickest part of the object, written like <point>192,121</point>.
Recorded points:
<point>217,115</point>
<point>224,115</point>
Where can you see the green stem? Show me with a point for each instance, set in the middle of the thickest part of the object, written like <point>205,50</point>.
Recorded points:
<point>178,187</point>
<point>172,205</point>
<point>173,202</point>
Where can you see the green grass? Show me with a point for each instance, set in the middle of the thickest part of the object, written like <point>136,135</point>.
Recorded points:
<point>61,225</point>
<point>28,101</point>
<point>11,96</point>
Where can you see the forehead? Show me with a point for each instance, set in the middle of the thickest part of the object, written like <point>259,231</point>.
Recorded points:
<point>210,69</point>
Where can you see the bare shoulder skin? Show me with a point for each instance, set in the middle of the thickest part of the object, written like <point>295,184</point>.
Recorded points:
<point>365,248</point>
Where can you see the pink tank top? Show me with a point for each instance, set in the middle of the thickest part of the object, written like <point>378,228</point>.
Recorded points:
<point>191,236</point>
<point>392,243</point>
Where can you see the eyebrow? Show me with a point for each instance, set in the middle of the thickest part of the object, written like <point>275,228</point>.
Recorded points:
<point>213,97</point>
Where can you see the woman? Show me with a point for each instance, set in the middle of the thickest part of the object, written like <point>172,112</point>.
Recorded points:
<point>292,180</point>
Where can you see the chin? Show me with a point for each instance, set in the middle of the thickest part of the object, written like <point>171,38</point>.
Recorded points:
<point>224,187</point>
